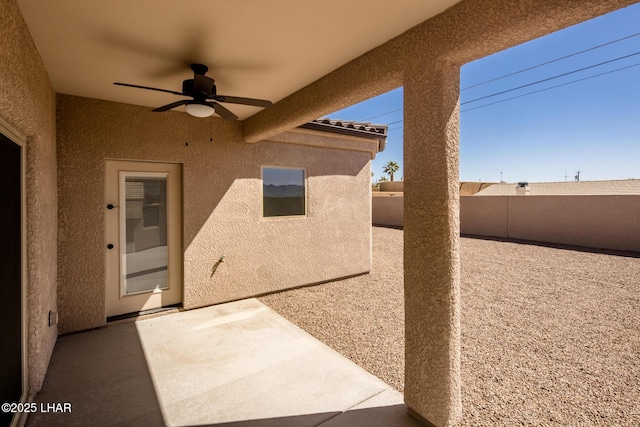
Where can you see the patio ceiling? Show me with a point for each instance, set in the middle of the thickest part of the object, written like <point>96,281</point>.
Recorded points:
<point>254,48</point>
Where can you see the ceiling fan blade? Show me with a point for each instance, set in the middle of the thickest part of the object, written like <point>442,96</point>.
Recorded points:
<point>222,111</point>
<point>172,105</point>
<point>150,88</point>
<point>244,101</point>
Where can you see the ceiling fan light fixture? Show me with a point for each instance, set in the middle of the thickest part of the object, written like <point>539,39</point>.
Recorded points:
<point>199,110</point>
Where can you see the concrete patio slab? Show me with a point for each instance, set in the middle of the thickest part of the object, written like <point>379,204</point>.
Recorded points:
<point>236,364</point>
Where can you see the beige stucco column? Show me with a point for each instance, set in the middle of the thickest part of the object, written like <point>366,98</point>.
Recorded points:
<point>431,244</point>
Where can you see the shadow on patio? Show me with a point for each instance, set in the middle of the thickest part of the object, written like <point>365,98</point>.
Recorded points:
<point>236,364</point>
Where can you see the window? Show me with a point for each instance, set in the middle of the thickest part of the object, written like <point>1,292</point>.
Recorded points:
<point>154,192</point>
<point>283,192</point>
<point>145,200</point>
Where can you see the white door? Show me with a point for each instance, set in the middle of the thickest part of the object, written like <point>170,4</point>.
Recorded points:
<point>143,203</point>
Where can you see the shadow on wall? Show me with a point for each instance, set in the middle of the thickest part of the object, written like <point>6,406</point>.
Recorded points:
<point>221,204</point>
<point>210,167</point>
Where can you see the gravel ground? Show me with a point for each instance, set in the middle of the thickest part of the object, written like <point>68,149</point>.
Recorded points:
<point>549,336</point>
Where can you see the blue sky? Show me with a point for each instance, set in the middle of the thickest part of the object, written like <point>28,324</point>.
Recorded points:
<point>592,126</point>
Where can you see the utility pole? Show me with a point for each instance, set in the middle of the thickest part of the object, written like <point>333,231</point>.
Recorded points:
<point>565,175</point>
<point>501,177</point>
<point>577,176</point>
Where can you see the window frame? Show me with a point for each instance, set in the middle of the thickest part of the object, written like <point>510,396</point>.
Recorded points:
<point>304,181</point>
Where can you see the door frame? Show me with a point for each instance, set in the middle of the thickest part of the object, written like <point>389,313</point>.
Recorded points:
<point>21,140</point>
<point>176,243</point>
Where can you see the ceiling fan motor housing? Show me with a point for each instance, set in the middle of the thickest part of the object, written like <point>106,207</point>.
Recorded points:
<point>200,87</point>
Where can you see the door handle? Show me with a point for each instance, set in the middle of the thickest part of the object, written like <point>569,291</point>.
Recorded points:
<point>110,246</point>
<point>110,206</point>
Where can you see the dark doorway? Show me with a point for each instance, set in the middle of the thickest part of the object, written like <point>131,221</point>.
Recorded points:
<point>10,274</point>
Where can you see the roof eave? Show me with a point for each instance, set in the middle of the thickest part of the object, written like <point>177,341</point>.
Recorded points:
<point>326,127</point>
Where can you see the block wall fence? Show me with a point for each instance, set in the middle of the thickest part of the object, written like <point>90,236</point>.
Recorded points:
<point>599,221</point>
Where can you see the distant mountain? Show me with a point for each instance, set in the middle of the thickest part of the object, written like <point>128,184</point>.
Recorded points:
<point>283,190</point>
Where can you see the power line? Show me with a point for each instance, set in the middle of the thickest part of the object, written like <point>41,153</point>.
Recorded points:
<point>538,91</point>
<point>550,78</point>
<point>550,62</point>
<point>551,87</point>
<point>537,82</point>
<point>383,114</point>
<point>530,68</point>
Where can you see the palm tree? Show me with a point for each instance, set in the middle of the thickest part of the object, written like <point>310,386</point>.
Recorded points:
<point>390,168</point>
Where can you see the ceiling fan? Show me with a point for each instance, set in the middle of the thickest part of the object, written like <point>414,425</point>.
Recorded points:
<point>205,99</point>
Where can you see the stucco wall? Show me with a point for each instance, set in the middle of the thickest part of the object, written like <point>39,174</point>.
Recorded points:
<point>387,209</point>
<point>27,104</point>
<point>222,206</point>
<point>606,222</point>
<point>392,186</point>
<point>484,217</point>
<point>602,222</point>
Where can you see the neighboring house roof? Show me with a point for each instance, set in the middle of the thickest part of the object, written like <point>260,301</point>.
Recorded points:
<point>628,186</point>
<point>471,188</point>
<point>345,127</point>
